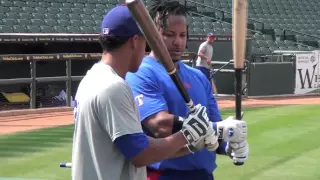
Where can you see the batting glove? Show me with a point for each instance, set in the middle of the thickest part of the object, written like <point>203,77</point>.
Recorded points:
<point>232,130</point>
<point>238,152</point>
<point>195,126</point>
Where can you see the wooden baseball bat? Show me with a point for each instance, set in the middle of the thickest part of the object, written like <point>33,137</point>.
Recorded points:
<point>155,41</point>
<point>239,37</point>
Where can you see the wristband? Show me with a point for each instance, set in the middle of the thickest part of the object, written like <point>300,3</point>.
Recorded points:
<point>177,124</point>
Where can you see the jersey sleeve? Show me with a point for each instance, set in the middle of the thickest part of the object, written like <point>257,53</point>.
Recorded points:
<point>117,110</point>
<point>147,92</point>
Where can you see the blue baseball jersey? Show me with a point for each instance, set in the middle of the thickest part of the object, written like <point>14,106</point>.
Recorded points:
<point>154,91</point>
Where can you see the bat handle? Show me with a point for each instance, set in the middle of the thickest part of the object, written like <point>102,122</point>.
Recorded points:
<point>191,106</point>
<point>239,114</point>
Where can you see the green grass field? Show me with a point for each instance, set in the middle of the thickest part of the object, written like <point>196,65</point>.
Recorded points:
<point>284,144</point>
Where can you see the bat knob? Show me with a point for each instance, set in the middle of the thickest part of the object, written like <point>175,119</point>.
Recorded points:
<point>238,163</point>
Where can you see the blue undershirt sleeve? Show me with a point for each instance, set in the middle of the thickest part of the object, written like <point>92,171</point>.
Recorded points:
<point>130,145</point>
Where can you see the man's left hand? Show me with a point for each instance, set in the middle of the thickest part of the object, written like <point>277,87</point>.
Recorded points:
<point>238,152</point>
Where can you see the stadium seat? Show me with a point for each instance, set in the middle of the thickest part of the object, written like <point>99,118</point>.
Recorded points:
<point>78,5</point>
<point>24,16</point>
<point>76,10</point>
<point>50,16</point>
<point>44,4</point>
<point>88,23</point>
<point>23,22</point>
<point>65,10</point>
<point>50,22</point>
<point>97,17</point>
<point>32,4</point>
<point>33,29</point>
<point>63,16</point>
<point>9,22</point>
<point>5,29</point>
<point>53,10</point>
<point>74,17</point>
<point>85,17</point>
<point>67,5</point>
<point>37,15</point>
<point>6,3</point>
<point>56,5</point>
<point>89,11</point>
<point>46,29</point>
<point>76,23</point>
<point>19,4</point>
<point>27,10</point>
<point>19,29</point>
<point>62,22</point>
<point>90,6</point>
<point>72,29</point>
<point>86,30</point>
<point>37,22</point>
<point>60,29</point>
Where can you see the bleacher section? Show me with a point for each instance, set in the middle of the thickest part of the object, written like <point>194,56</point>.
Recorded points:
<point>269,19</point>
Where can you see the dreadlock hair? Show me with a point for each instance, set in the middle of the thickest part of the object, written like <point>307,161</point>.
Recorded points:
<point>160,9</point>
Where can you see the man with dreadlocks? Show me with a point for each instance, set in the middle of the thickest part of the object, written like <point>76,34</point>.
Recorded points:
<point>161,107</point>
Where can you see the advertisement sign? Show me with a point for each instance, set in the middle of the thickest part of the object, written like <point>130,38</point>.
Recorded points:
<point>307,73</point>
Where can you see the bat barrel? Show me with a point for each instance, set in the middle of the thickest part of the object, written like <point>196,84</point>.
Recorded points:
<point>65,165</point>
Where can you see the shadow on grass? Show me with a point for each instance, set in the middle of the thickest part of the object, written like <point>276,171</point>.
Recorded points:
<point>20,144</point>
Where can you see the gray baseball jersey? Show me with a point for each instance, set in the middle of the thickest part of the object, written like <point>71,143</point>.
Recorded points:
<point>104,110</point>
<point>207,50</point>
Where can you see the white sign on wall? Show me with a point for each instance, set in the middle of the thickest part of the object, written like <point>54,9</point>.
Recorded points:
<point>307,73</point>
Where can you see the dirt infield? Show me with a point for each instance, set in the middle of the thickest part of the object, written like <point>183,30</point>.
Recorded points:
<point>11,122</point>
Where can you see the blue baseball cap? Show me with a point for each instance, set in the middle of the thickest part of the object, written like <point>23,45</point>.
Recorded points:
<point>119,22</point>
<point>210,34</point>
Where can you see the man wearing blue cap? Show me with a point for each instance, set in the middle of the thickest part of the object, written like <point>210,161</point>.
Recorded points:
<point>204,59</point>
<point>108,142</point>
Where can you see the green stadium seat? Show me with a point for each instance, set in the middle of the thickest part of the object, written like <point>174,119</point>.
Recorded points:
<point>44,4</point>
<point>2,16</point>
<point>98,23</point>
<point>12,15</point>
<point>23,22</point>
<point>65,10</point>
<point>82,1</point>
<point>73,30</point>
<point>99,11</point>
<point>37,15</point>
<point>5,29</point>
<point>76,23</point>
<point>63,16</point>
<point>50,22</point>
<point>67,5</point>
<point>86,30</point>
<point>198,31</point>
<point>208,25</point>
<point>33,29</point>
<point>197,25</point>
<point>62,22</point>
<point>50,16</point>
<point>53,10</point>
<point>206,19</point>
<point>74,17</point>
<point>97,17</point>
<point>78,5</point>
<point>46,29</point>
<point>56,5</point>
<point>265,50</point>
<point>89,23</point>
<point>32,4</point>
<point>37,22</point>
<point>24,16</point>
<point>85,17</point>
<point>97,29</point>
<point>19,4</point>
<point>227,31</point>
<point>207,30</point>
<point>303,48</point>
<point>99,6</point>
<point>218,31</point>
<point>9,22</point>
<point>6,3</point>
<point>76,10</point>
<point>15,9</point>
<point>27,10</point>
<point>216,25</point>
<point>272,49</point>
<point>60,29</point>
<point>90,5</point>
<point>109,2</point>
<point>19,29</point>
<point>91,11</point>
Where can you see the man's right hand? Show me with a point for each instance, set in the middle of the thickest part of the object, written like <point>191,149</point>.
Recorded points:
<point>196,125</point>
